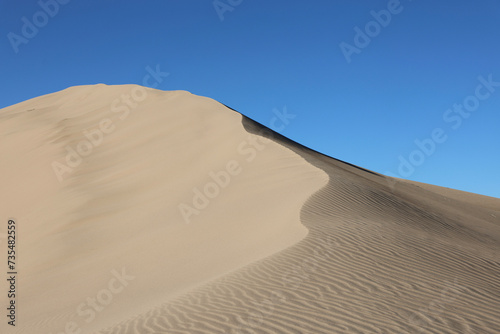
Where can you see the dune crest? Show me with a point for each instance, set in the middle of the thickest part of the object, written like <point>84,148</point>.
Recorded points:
<point>180,215</point>
<point>171,191</point>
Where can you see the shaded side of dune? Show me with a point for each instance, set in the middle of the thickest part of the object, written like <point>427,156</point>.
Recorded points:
<point>381,256</point>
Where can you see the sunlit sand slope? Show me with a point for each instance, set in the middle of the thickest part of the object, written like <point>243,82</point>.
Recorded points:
<point>125,197</point>
<point>381,256</point>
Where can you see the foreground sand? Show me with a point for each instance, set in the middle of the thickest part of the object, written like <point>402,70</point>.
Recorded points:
<point>291,242</point>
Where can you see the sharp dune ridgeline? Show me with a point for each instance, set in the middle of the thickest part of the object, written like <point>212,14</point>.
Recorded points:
<point>147,211</point>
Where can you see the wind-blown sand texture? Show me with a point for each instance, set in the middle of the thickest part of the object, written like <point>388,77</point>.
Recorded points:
<point>293,242</point>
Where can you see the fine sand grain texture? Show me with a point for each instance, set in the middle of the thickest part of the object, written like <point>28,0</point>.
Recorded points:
<point>187,217</point>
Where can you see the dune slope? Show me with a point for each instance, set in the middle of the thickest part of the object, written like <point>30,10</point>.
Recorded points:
<point>382,256</point>
<point>187,217</point>
<point>166,191</point>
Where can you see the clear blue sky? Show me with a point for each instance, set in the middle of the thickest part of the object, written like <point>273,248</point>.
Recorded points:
<point>396,88</point>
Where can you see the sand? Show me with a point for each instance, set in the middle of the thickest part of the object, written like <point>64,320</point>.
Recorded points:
<point>177,214</point>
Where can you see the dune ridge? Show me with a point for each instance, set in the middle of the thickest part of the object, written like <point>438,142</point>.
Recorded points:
<point>381,256</point>
<point>108,239</point>
<point>297,242</point>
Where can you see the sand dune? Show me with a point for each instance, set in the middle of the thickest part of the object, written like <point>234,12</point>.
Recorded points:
<point>180,215</point>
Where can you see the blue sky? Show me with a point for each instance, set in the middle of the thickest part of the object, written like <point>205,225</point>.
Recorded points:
<point>364,79</point>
